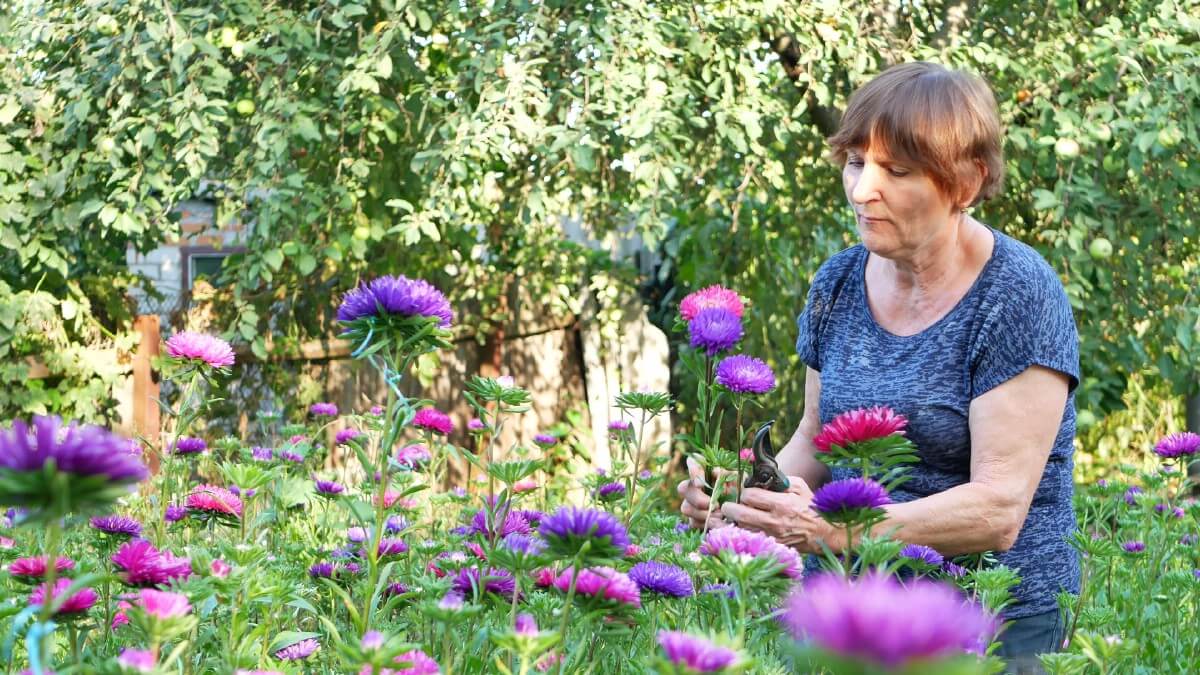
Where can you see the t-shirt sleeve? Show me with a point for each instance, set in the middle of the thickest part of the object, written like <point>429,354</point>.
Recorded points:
<point>1030,325</point>
<point>817,307</point>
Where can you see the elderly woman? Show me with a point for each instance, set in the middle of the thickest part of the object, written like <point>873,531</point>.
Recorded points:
<point>962,329</point>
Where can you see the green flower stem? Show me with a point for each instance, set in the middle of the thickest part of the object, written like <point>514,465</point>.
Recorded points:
<point>562,628</point>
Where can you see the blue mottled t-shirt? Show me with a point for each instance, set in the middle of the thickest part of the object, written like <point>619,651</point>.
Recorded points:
<point>1015,315</point>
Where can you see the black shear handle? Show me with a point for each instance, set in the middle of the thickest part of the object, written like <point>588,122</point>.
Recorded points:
<point>765,473</point>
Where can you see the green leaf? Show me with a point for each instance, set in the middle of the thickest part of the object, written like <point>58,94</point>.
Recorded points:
<point>274,258</point>
<point>306,263</point>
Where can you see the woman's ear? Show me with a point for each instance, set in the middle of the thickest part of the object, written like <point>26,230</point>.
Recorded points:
<point>971,194</point>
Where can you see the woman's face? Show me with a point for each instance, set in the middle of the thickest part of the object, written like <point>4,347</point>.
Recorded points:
<point>897,206</point>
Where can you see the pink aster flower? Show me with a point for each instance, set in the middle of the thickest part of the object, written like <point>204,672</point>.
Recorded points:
<point>476,425</point>
<point>746,454</point>
<point>433,420</point>
<point>856,426</point>
<point>139,660</point>
<point>190,346</point>
<point>695,654</point>
<point>346,435</point>
<point>413,456</point>
<point>602,583</point>
<point>415,662</point>
<point>744,543</point>
<point>163,604</point>
<point>214,500</point>
<point>323,409</point>
<point>143,565</point>
<point>298,651</point>
<point>79,603</point>
<point>28,569</point>
<point>713,296</point>
<point>219,568</point>
<point>524,485</point>
<point>120,618</point>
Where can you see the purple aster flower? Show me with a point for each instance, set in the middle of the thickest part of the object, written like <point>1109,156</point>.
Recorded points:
<point>525,624</point>
<point>372,640</point>
<point>843,499</point>
<point>953,570</point>
<point>1196,573</point>
<point>261,454</point>
<point>1134,546</point>
<point>695,654</point>
<point>395,524</point>
<point>174,513</point>
<point>662,578</point>
<point>190,346</point>
<point>452,600</point>
<point>376,410</point>
<point>1178,445</point>
<point>247,493</point>
<point>922,554</point>
<point>1101,483</point>
<point>566,529</point>
<point>322,570</point>
<point>876,620</point>
<point>681,528</point>
<point>498,581</point>
<point>545,441</point>
<point>81,450</point>
<point>617,428</point>
<point>741,543</point>
<point>1189,539</point>
<point>476,425</point>
<point>610,492</point>
<point>513,522</point>
<point>743,374</point>
<point>323,409</point>
<point>344,436</point>
<point>413,456</point>
<point>189,446</point>
<point>397,588</point>
<point>117,525</point>
<point>714,330</point>
<point>396,295</point>
<point>720,589</point>
<point>329,488</point>
<point>432,419</point>
<point>523,543</point>
<point>291,456</point>
<point>1131,495</point>
<point>532,516</point>
<point>298,651</point>
<point>389,547</point>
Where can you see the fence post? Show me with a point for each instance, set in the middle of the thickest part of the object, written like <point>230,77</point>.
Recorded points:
<point>146,422</point>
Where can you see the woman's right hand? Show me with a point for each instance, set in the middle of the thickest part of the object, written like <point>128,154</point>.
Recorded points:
<point>696,504</point>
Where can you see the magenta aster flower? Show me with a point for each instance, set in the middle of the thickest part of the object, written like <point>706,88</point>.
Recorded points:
<point>497,581</point>
<point>618,427</point>
<point>163,604</point>
<point>298,651</point>
<point>120,526</point>
<point>744,543</point>
<point>323,409</point>
<point>566,529</point>
<point>214,500</point>
<point>841,499</point>
<point>695,654</point>
<point>139,660</point>
<point>922,554</point>
<point>30,569</point>
<point>433,420</point>
<point>346,435</point>
<point>396,295</point>
<point>545,441</point>
<point>708,298</point>
<point>188,346</point>
<point>143,565</point>
<point>80,602</point>
<point>413,456</point>
<point>1178,445</point>
<point>82,450</point>
<point>415,662</point>
<point>189,446</point>
<point>476,425</point>
<point>714,330</point>
<point>743,374</point>
<point>602,583</point>
<point>662,578</point>
<point>525,624</point>
<point>857,426</point>
<point>877,620</point>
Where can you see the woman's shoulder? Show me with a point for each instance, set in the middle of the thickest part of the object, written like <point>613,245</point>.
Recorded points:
<point>839,267</point>
<point>1020,261</point>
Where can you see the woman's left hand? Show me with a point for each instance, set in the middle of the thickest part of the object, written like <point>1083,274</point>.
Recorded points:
<point>787,516</point>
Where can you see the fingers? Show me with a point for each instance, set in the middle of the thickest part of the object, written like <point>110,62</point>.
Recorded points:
<point>695,471</point>
<point>741,516</point>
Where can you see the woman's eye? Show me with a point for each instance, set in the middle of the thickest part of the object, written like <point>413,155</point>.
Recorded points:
<point>897,173</point>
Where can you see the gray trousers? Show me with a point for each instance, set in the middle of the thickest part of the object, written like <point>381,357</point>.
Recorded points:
<point>1029,636</point>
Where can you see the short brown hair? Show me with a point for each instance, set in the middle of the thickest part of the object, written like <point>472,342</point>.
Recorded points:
<point>925,115</point>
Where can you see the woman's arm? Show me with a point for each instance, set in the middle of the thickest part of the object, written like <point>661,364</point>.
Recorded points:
<point>799,456</point>
<point>1013,428</point>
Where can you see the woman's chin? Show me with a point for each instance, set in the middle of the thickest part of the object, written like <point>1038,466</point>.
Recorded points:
<point>875,241</point>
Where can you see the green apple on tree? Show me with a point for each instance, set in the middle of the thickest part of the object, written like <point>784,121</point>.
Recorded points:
<point>245,107</point>
<point>1066,148</point>
<point>1100,248</point>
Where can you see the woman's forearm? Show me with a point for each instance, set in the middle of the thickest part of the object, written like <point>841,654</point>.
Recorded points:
<point>799,458</point>
<point>969,518</point>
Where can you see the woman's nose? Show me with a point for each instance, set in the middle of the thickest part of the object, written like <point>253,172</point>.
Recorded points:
<point>866,184</point>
